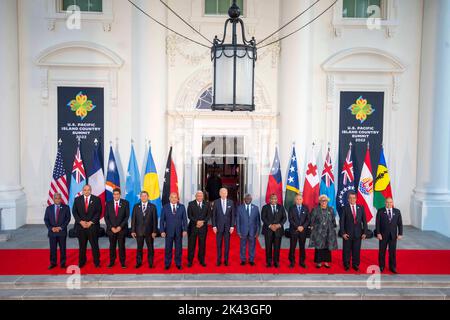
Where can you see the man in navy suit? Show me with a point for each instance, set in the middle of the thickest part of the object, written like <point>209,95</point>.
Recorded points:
<point>57,218</point>
<point>248,224</point>
<point>298,224</point>
<point>353,225</point>
<point>173,225</point>
<point>388,229</point>
<point>223,220</point>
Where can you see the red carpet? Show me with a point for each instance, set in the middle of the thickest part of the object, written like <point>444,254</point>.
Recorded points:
<point>36,261</point>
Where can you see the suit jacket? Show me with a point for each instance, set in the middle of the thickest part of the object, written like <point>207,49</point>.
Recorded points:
<point>223,221</point>
<point>122,218</point>
<point>248,225</point>
<point>144,225</point>
<point>347,223</point>
<point>386,228</point>
<point>298,219</point>
<point>196,214</point>
<point>93,213</point>
<point>63,220</point>
<point>173,224</point>
<point>269,218</point>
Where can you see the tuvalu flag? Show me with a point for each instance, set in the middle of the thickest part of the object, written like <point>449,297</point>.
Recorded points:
<point>382,183</point>
<point>292,184</point>
<point>274,184</point>
<point>170,180</point>
<point>365,188</point>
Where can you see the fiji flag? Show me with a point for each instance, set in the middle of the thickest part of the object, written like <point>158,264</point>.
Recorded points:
<point>112,176</point>
<point>78,179</point>
<point>327,181</point>
<point>133,182</point>
<point>274,184</point>
<point>151,184</point>
<point>348,181</point>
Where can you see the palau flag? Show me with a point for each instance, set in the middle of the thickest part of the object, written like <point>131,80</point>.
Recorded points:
<point>327,181</point>
<point>133,182</point>
<point>151,184</point>
<point>382,183</point>
<point>292,184</point>
<point>78,178</point>
<point>274,184</point>
<point>112,176</point>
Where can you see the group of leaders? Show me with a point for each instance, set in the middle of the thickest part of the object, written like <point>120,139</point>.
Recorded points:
<point>245,219</point>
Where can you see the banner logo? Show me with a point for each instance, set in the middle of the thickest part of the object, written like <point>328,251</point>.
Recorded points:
<point>361,109</point>
<point>366,186</point>
<point>81,105</point>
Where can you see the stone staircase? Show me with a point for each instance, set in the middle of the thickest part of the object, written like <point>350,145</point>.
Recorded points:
<point>224,286</point>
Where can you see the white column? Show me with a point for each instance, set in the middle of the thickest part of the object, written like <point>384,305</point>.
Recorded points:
<point>431,200</point>
<point>149,83</point>
<point>295,83</point>
<point>12,198</point>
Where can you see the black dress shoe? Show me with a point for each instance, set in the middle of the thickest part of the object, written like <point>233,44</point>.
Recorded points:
<point>276,265</point>
<point>327,266</point>
<point>189,264</point>
<point>124,266</point>
<point>150,265</point>
<point>81,265</point>
<point>110,265</point>
<point>179,267</point>
<point>226,263</point>
<point>203,264</point>
<point>318,265</point>
<point>50,267</point>
<point>166,267</point>
<point>138,265</point>
<point>252,263</point>
<point>393,270</point>
<point>381,269</point>
<point>346,268</point>
<point>218,263</point>
<point>291,265</point>
<point>98,266</point>
<point>63,266</point>
<point>303,265</point>
<point>243,263</point>
<point>268,265</point>
<point>356,268</point>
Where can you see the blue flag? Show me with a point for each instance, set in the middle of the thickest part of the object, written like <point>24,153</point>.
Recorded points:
<point>292,183</point>
<point>133,183</point>
<point>78,178</point>
<point>112,176</point>
<point>151,183</point>
<point>327,182</point>
<point>347,182</point>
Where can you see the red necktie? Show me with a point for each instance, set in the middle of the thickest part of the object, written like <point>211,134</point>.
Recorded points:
<point>354,214</point>
<point>117,209</point>
<point>57,214</point>
<point>86,204</point>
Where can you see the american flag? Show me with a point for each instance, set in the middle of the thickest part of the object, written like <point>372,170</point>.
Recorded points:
<point>59,181</point>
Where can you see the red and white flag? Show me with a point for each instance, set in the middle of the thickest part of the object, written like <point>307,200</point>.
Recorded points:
<point>97,180</point>
<point>59,181</point>
<point>312,184</point>
<point>365,188</point>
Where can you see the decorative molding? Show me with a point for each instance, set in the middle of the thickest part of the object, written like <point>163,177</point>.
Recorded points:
<point>388,20</point>
<point>55,15</point>
<point>177,46</point>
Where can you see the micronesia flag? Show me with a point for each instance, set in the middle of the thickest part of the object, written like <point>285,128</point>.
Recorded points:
<point>327,181</point>
<point>151,183</point>
<point>112,176</point>
<point>78,178</point>
<point>133,182</point>
<point>348,181</point>
<point>274,184</point>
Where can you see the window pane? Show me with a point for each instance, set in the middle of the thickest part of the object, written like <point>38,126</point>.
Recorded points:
<point>96,5</point>
<point>67,4</point>
<point>210,6</point>
<point>224,5</point>
<point>85,5</point>
<point>361,8</point>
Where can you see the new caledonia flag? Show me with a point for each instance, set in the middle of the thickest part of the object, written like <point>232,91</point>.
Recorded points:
<point>274,184</point>
<point>151,184</point>
<point>292,184</point>
<point>170,180</point>
<point>382,183</point>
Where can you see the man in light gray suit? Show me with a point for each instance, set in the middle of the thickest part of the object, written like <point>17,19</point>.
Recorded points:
<point>248,223</point>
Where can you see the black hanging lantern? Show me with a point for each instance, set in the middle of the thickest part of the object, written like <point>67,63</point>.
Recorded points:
<point>234,68</point>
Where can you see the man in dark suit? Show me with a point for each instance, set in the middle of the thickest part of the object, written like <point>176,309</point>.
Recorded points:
<point>248,225</point>
<point>198,214</point>
<point>57,218</point>
<point>173,226</point>
<point>144,227</point>
<point>116,218</point>
<point>87,210</point>
<point>273,216</point>
<point>298,224</point>
<point>388,229</point>
<point>223,220</point>
<point>353,225</point>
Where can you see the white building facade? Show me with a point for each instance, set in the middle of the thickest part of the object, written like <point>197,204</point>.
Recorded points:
<point>153,81</point>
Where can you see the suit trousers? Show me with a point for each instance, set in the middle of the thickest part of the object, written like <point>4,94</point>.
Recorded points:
<point>170,241</point>
<point>200,235</point>
<point>140,249</point>
<point>272,243</point>
<point>114,240</point>
<point>249,241</point>
<point>351,249</point>
<point>54,242</point>
<point>91,235</point>
<point>299,238</point>
<point>223,237</point>
<point>384,244</point>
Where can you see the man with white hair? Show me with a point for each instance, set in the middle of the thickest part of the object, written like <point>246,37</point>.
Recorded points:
<point>198,214</point>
